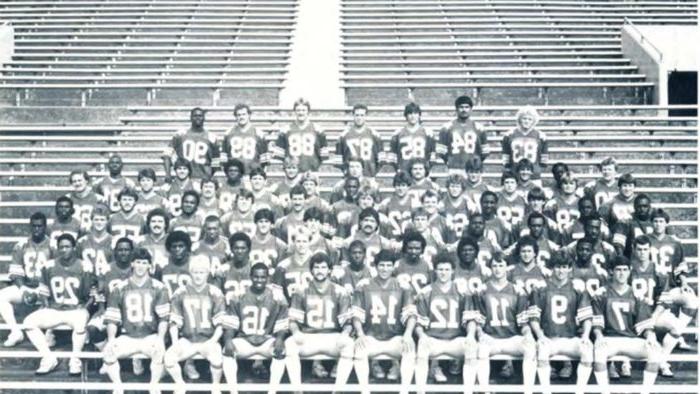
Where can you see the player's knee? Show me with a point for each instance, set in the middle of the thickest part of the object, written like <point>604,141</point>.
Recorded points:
<point>291,347</point>
<point>529,350</point>
<point>96,335</point>
<point>170,358</point>
<point>423,350</point>
<point>109,354</point>
<point>543,353</point>
<point>483,352</point>
<point>346,346</point>
<point>600,355</point>
<point>586,354</point>
<point>360,353</point>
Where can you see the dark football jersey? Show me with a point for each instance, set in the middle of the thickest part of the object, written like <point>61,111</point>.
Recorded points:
<point>56,229</point>
<point>458,143</point>
<point>268,250</point>
<point>258,318</point>
<point>601,192</point>
<point>247,144</point>
<point>471,278</point>
<point>517,145</point>
<point>291,276</point>
<point>96,252</point>
<point>66,287</point>
<point>174,276</point>
<point>383,309</point>
<point>406,145</point>
<point>456,213</point>
<point>648,285</point>
<point>173,193</point>
<point>417,275</point>
<point>308,144</point>
<point>197,312</point>
<point>192,225</point>
<point>625,231</point>
<point>149,202</point>
<point>227,196</point>
<point>560,310</point>
<point>235,281</point>
<point>398,211</point>
<point>319,311</point>
<point>442,313</point>
<point>216,253</point>
<point>589,279</point>
<point>236,221</point>
<point>564,210</point>
<point>126,225</point>
<point>138,309</point>
<point>156,247</point>
<point>511,209</point>
<point>618,209</point>
<point>350,279</point>
<point>363,145</point>
<point>621,314</point>
<point>108,282</point>
<point>527,279</point>
<point>28,259</point>
<point>83,206</point>
<point>109,189</point>
<point>501,312</point>
<point>667,254</point>
<point>198,148</point>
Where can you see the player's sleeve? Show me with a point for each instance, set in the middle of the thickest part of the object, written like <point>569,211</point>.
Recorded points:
<point>661,291</point>
<point>599,304</point>
<point>176,313</point>
<point>218,311</point>
<point>324,151</point>
<point>620,231</point>
<point>262,146</point>
<point>345,312</point>
<point>113,312</point>
<point>225,147</point>
<point>584,308</point>
<point>359,310</point>
<point>408,304</point>
<point>296,308</point>
<point>162,303</point>
<point>537,304</point>
<point>482,141</point>
<point>443,142</point>
<point>522,316</point>
<point>173,146</point>
<point>544,149</point>
<point>277,282</point>
<point>643,320</point>
<point>678,263</point>
<point>16,268</point>
<point>278,148</point>
<point>506,152</point>
<point>231,320</point>
<point>282,317</point>
<point>391,157</point>
<point>423,308</point>
<point>44,289</point>
<point>88,282</point>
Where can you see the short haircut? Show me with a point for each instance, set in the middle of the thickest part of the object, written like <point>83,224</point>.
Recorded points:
<point>190,193</point>
<point>527,240</point>
<point>660,213</point>
<point>536,193</point>
<point>467,241</point>
<point>210,180</point>
<point>158,212</point>
<point>524,164</point>
<point>419,211</point>
<point>264,213</point>
<point>241,106</point>
<point>429,194</point>
<point>410,236</point>
<point>536,215</point>
<point>212,219</point>
<point>455,179</point>
<point>200,260</point>
<point>65,236</point>
<point>608,161</point>
<point>147,173</point>
<point>486,194</point>
<point>260,266</point>
<point>313,213</point>
<point>126,240</point>
<point>357,244</point>
<point>559,259</point>
<point>385,255</point>
<point>178,236</point>
<point>296,190</point>
<point>257,170</point>
<point>290,161</point>
<point>474,165</point>
<point>84,174</point>
<point>619,260</point>
<point>641,196</point>
<point>319,258</point>
<point>127,192</point>
<point>402,178</point>
<point>420,161</point>
<point>239,236</point>
<point>142,254</point>
<point>464,100</point>
<point>584,199</point>
<point>641,240</point>
<point>444,257</point>
<point>37,216</point>
<point>508,175</point>
<point>411,108</point>
<point>626,179</point>
<point>101,210</point>
<point>359,106</point>
<point>369,212</point>
<point>180,162</point>
<point>309,176</point>
<point>64,199</point>
<point>245,194</point>
<point>301,101</point>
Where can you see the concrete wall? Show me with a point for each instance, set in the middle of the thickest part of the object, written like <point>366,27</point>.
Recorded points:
<point>7,43</point>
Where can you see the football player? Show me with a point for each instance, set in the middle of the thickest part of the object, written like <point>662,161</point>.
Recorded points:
<point>603,189</point>
<point>95,247</point>
<point>625,231</point>
<point>525,142</point>
<point>461,139</point>
<point>412,141</point>
<point>397,207</point>
<point>65,222</point>
<point>112,184</point>
<point>621,206</point>
<point>84,197</point>
<point>196,145</point>
<point>242,216</point>
<point>179,184</point>
<point>511,204</point>
<point>191,218</point>
<point>148,197</point>
<point>213,246</point>
<point>176,273</point>
<point>455,206</point>
<point>495,227</point>
<point>287,226</point>
<point>157,224</point>
<point>244,141</point>
<point>228,192</point>
<point>359,142</point>
<point>127,222</point>
<point>302,139</point>
<point>265,247</point>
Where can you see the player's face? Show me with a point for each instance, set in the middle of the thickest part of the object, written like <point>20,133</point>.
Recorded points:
<point>146,183</point>
<point>357,255</point>
<point>298,201</point>
<point>240,251</point>
<point>537,205</point>
<point>188,204</point>
<point>122,252</point>
<point>264,226</point>
<point>401,189</point>
<point>320,271</point>
<point>430,204</point>
<point>509,185</point>
<point>488,205</point>
<point>301,243</point>
<point>63,209</point>
<point>499,269</point>
<point>527,254</point>
<point>291,171</point>
<point>473,176</point>
<point>642,207</point>
<point>127,203</point>
<point>355,168</point>
<point>114,165</point>
<point>627,189</point>
<point>587,208</point>
<point>182,172</point>
<point>621,274</point>
<point>310,187</point>
<point>536,227</point>
<point>568,187</point>
<point>157,225</point>
<point>608,172</point>
<point>659,225</point>
<point>233,173</point>
<point>259,278</point>
<point>351,187</point>
<point>302,113</point>
<point>420,222</point>
<point>584,251</point>
<point>418,171</point>
<point>313,225</point>
<point>368,225</point>
<point>558,172</point>
<point>525,174</point>
<point>455,190</point>
<point>467,254</point>
<point>38,229</point>
<point>208,190</point>
<point>65,250</point>
<point>200,274</point>
<point>197,118</point>
<point>642,252</point>
<point>140,268</point>
<point>412,118</point>
<point>463,111</point>
<point>257,182</point>
<point>526,121</point>
<point>365,201</point>
<point>178,250</point>
<point>443,272</point>
<point>328,229</point>
<point>244,204</point>
<point>562,272</point>
<point>212,230</point>
<point>476,226</point>
<point>242,117</point>
<point>99,223</point>
<point>592,229</point>
<point>413,250</point>
<point>385,269</point>
<point>78,182</point>
<point>359,117</point>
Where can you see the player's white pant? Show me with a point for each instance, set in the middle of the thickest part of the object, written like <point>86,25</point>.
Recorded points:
<point>125,346</point>
<point>429,347</point>
<point>517,346</point>
<point>10,296</point>
<point>184,349</point>
<point>394,348</point>
<point>310,344</point>
<point>571,347</point>
<point>632,347</point>
<point>244,349</point>
<point>46,318</point>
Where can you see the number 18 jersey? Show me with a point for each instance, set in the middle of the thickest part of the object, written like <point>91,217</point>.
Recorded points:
<point>138,309</point>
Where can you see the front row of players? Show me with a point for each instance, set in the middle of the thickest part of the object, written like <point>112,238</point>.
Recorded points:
<point>463,314</point>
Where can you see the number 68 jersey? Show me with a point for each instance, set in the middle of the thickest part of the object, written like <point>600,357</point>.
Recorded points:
<point>138,309</point>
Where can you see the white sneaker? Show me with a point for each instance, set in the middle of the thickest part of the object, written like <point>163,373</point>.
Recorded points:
<point>626,369</point>
<point>438,375</point>
<point>75,367</point>
<point>137,365</point>
<point>14,338</point>
<point>191,370</point>
<point>103,369</point>
<point>665,370</point>
<point>50,338</point>
<point>47,365</point>
<point>683,345</point>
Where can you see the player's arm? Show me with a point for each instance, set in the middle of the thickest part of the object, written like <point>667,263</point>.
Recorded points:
<point>506,152</point>
<point>16,268</point>
<point>167,158</point>
<point>535,313</point>
<point>218,316</point>
<point>544,150</point>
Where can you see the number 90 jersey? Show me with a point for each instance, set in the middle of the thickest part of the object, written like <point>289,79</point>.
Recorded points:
<point>560,310</point>
<point>66,287</point>
<point>383,309</point>
<point>621,314</point>
<point>517,145</point>
<point>501,312</point>
<point>443,314</point>
<point>321,311</point>
<point>138,309</point>
<point>258,317</point>
<point>198,148</point>
<point>197,312</point>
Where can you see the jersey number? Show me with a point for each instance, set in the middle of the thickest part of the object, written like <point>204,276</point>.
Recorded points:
<point>379,310</point>
<point>438,307</point>
<point>138,307</point>
<point>63,290</point>
<point>254,320</point>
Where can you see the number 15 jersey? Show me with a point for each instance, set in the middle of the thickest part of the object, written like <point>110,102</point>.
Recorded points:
<point>320,311</point>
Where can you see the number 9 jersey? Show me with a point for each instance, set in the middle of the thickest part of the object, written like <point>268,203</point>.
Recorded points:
<point>138,309</point>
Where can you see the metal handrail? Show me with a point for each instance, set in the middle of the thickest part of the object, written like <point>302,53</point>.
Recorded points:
<point>643,38</point>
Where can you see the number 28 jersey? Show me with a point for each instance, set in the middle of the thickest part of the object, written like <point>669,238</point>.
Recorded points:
<point>320,311</point>
<point>138,309</point>
<point>197,312</point>
<point>383,309</point>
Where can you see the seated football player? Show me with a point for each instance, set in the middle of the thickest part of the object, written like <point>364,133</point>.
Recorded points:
<point>346,208</point>
<point>157,225</point>
<point>265,247</point>
<point>369,198</point>
<point>495,227</point>
<point>623,325</point>
<point>442,324</point>
<point>353,168</point>
<point>264,198</point>
<point>603,252</point>
<point>320,323</point>
<point>397,207</point>
<point>488,246</point>
<point>511,204</point>
<point>213,245</point>
<point>65,222</point>
<point>474,185</point>
<point>140,307</point>
<point>209,202</point>
<point>310,183</point>
<point>501,313</point>
<point>585,274</point>
<point>369,234</point>
<point>240,217</point>
<point>421,183</point>
<point>313,217</point>
<point>621,206</point>
<point>177,185</point>
<point>523,171</point>
<point>292,177</point>
<point>603,189</point>
<point>287,226</point>
<point>197,312</point>
<point>95,247</point>
<point>587,208</point>
<point>234,279</point>
<point>525,272</point>
<point>176,273</point>
<point>256,325</point>
<point>190,219</point>
<point>558,313</point>
<point>29,257</point>
<point>433,239</point>
<point>468,272</point>
<point>64,291</point>
<point>149,198</point>
<point>234,170</point>
<point>292,273</point>
<point>384,320</point>
<point>113,183</point>
<point>354,267</point>
<point>455,206</point>
<point>624,232</point>
<point>127,222</point>
<point>563,208</point>
<point>538,230</point>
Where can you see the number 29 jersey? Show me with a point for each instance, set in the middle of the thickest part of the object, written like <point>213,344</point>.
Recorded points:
<point>66,287</point>
<point>197,312</point>
<point>138,309</point>
<point>258,317</point>
<point>383,309</point>
<point>320,311</point>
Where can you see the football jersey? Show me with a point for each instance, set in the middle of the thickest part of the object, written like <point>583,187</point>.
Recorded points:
<point>197,148</point>
<point>621,314</point>
<point>511,209</point>
<point>625,231</point>
<point>603,253</point>
<point>147,203</point>
<point>487,248</point>
<point>418,189</point>
<point>197,313</point>
<point>417,275</point>
<point>618,209</point>
<point>589,278</point>
<point>291,276</point>
<point>28,260</point>
<point>546,250</point>
<point>564,210</point>
<point>56,229</point>
<point>97,253</point>
<point>374,243</point>
<point>350,278</point>
<point>126,225</point>
<point>216,253</point>
<point>456,213</point>
<point>227,196</point>
<point>286,227</point>
<point>498,230</point>
<point>667,255</point>
<point>346,214</point>
<point>66,287</point>
<point>236,221</point>
<point>156,247</point>
<point>408,144</point>
<point>110,280</point>
<point>458,143</point>
<point>235,281</point>
<point>363,145</point>
<point>173,193</point>
<point>473,192</point>
<point>307,144</point>
<point>83,206</point>
<point>526,279</point>
<point>577,231</point>
<point>471,278</point>
<point>247,144</point>
<point>138,309</point>
<point>209,207</point>
<point>560,310</point>
<point>265,199</point>
<point>191,224</point>
<point>282,188</point>
<point>109,189</point>
<point>268,250</point>
<point>601,192</point>
<point>257,318</point>
<point>648,285</point>
<point>321,310</point>
<point>383,309</point>
<point>175,276</point>
<point>517,145</point>
<point>501,312</point>
<point>442,313</point>
<point>398,211</point>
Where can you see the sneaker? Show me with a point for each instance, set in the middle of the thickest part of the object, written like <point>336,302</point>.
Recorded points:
<point>50,338</point>
<point>14,338</point>
<point>683,345</point>
<point>334,370</point>
<point>626,369</point>
<point>137,365</point>
<point>507,370</point>
<point>103,369</point>
<point>377,370</point>
<point>191,370</point>
<point>75,367</point>
<point>612,372</point>
<point>318,371</point>
<point>47,365</point>
<point>394,371</point>
<point>437,374</point>
<point>665,370</point>
<point>566,371</point>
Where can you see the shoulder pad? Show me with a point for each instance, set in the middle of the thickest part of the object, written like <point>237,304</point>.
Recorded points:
<point>519,290</point>
<point>446,125</point>
<point>284,264</point>
<point>122,284</point>
<point>211,137</point>
<point>542,135</point>
<point>157,284</point>
<point>177,292</point>
<point>19,245</point>
<point>277,294</point>
<point>180,132</point>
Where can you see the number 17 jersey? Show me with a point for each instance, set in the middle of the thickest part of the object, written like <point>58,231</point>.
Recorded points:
<point>197,312</point>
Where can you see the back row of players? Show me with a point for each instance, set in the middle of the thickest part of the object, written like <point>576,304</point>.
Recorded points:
<point>524,223</point>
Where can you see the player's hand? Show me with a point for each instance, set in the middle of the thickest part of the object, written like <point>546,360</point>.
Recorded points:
<point>278,350</point>
<point>407,344</point>
<point>586,342</point>
<point>298,338</point>
<point>229,349</point>
<point>361,342</point>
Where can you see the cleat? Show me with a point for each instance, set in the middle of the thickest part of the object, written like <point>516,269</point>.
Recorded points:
<point>137,365</point>
<point>626,369</point>
<point>377,370</point>
<point>50,338</point>
<point>507,370</point>
<point>75,367</point>
<point>437,374</point>
<point>683,345</point>
<point>47,365</point>
<point>566,371</point>
<point>455,367</point>
<point>191,371</point>
<point>13,339</point>
<point>318,371</point>
<point>612,372</point>
<point>665,370</point>
<point>394,371</point>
